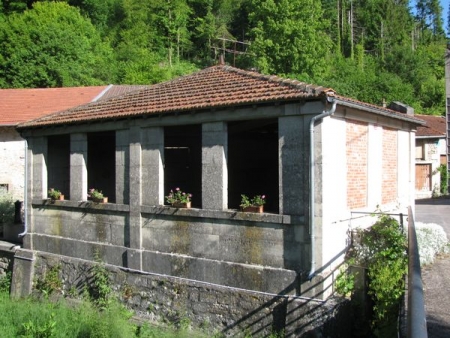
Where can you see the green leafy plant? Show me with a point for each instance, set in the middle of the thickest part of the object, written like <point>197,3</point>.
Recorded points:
<point>382,251</point>
<point>100,285</point>
<point>345,282</point>
<point>444,179</point>
<point>255,201</point>
<point>178,196</point>
<point>5,282</point>
<point>6,208</point>
<point>95,194</point>
<point>54,194</point>
<point>51,282</point>
<point>44,330</point>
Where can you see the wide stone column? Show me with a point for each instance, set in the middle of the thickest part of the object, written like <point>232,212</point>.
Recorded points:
<point>133,186</point>
<point>152,171</point>
<point>78,166</point>
<point>214,166</point>
<point>39,169</point>
<point>293,166</point>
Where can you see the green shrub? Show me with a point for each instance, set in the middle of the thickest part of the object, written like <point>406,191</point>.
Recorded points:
<point>6,208</point>
<point>382,251</point>
<point>444,179</point>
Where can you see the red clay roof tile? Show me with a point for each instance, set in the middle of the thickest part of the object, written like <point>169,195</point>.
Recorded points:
<point>218,86</point>
<point>213,87</point>
<point>435,126</point>
<point>20,105</point>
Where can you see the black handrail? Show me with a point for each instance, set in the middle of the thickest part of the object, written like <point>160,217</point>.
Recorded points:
<point>416,317</point>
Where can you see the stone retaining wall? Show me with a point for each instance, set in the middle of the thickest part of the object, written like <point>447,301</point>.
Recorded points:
<point>208,307</point>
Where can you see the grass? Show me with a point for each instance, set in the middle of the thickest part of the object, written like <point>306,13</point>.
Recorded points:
<point>45,319</point>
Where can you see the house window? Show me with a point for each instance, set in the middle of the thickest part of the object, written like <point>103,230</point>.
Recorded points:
<point>420,150</point>
<point>58,164</point>
<point>253,162</point>
<point>183,160</point>
<point>101,163</point>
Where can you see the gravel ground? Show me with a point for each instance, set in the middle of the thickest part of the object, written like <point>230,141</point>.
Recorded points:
<point>436,277</point>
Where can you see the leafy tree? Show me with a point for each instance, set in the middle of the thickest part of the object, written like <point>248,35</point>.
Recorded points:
<point>289,36</point>
<point>52,45</point>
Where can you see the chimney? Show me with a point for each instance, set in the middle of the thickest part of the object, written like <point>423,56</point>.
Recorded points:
<point>221,60</point>
<point>401,108</point>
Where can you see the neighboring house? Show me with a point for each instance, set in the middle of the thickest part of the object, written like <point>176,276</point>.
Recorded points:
<point>218,133</point>
<point>431,152</point>
<point>20,105</point>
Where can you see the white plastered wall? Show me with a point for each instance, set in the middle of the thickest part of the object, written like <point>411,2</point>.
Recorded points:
<point>12,162</point>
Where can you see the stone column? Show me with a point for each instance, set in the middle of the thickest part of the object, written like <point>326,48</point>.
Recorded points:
<point>39,173</point>
<point>78,167</point>
<point>214,166</point>
<point>122,166</point>
<point>134,188</point>
<point>152,172</point>
<point>293,167</point>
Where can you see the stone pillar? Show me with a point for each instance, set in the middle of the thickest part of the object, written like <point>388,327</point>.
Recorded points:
<point>214,166</point>
<point>293,164</point>
<point>23,271</point>
<point>78,167</point>
<point>134,187</point>
<point>122,166</point>
<point>39,173</point>
<point>152,172</point>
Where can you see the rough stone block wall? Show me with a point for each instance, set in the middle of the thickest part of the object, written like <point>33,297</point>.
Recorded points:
<point>357,150</point>
<point>389,192</point>
<point>207,307</point>
<point>6,262</point>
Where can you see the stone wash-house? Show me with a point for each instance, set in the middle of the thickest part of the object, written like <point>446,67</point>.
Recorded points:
<point>217,133</point>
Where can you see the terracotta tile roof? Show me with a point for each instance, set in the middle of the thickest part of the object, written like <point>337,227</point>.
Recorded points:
<point>217,86</point>
<point>214,87</point>
<point>20,105</point>
<point>435,126</point>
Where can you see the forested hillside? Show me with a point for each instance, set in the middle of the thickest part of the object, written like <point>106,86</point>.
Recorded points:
<point>373,50</point>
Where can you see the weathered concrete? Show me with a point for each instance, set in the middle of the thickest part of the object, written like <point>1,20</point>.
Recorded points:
<point>78,167</point>
<point>22,278</point>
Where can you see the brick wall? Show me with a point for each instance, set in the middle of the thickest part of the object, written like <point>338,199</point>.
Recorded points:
<point>390,167</point>
<point>357,146</point>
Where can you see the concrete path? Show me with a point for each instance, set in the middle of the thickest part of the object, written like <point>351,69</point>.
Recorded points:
<point>436,277</point>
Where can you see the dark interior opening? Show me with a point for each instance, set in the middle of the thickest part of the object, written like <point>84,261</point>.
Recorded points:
<point>253,162</point>
<point>183,161</point>
<point>102,163</point>
<point>58,164</point>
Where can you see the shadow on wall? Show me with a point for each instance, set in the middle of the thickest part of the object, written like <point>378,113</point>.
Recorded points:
<point>296,317</point>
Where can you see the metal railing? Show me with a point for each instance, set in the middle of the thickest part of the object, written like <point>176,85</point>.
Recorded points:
<point>416,317</point>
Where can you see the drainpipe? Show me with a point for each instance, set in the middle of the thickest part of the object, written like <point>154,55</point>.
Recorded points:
<point>25,202</point>
<point>312,167</point>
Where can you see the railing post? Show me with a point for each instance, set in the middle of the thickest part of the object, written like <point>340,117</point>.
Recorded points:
<point>416,318</point>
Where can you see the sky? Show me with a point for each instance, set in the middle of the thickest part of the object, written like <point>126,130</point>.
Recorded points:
<point>444,4</point>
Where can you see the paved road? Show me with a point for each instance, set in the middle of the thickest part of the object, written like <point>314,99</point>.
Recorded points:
<point>436,277</point>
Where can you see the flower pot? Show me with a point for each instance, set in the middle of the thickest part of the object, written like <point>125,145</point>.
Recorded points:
<point>186,205</point>
<point>254,208</point>
<point>100,200</point>
<point>60,198</point>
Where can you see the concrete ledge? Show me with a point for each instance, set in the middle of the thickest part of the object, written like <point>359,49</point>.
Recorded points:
<point>81,204</point>
<point>8,246</point>
<point>226,214</point>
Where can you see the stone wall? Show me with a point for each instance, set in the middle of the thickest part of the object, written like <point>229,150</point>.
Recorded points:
<point>207,306</point>
<point>261,252</point>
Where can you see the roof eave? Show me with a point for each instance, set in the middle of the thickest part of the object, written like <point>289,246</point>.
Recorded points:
<point>380,111</point>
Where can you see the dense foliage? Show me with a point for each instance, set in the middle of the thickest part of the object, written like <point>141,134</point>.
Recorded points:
<point>381,251</point>
<point>373,50</point>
